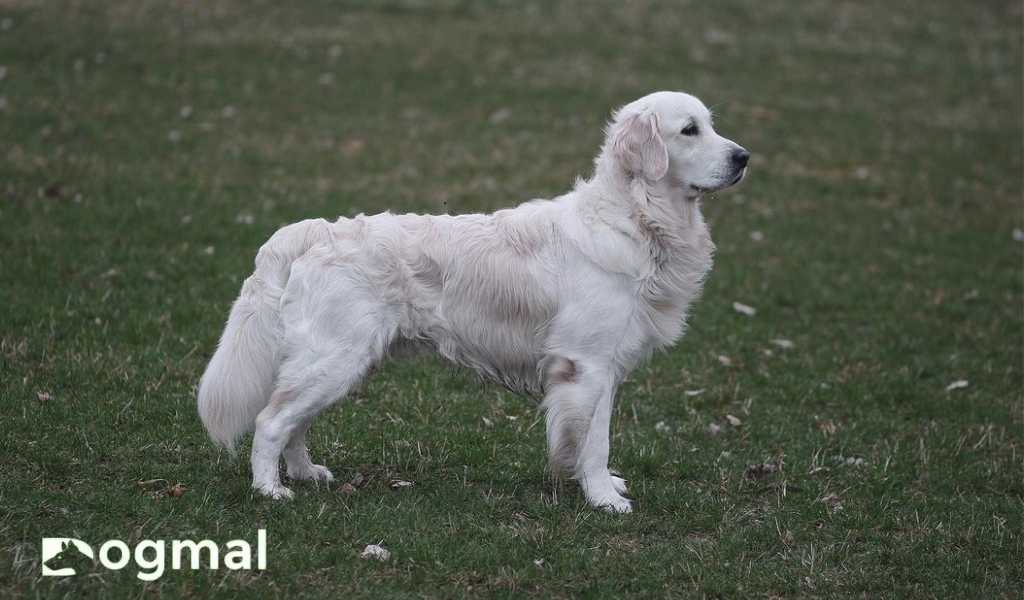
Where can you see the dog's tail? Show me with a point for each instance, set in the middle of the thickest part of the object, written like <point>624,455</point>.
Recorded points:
<point>237,383</point>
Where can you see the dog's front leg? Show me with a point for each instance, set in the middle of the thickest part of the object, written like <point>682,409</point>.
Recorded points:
<point>578,405</point>
<point>600,486</point>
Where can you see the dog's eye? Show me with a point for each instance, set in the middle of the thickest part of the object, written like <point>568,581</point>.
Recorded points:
<point>690,130</point>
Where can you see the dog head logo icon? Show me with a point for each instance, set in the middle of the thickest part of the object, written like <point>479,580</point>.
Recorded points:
<point>65,556</point>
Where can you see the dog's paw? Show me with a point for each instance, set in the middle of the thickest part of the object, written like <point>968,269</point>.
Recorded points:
<point>615,504</point>
<point>321,473</point>
<point>311,472</point>
<point>605,491</point>
<point>275,492</point>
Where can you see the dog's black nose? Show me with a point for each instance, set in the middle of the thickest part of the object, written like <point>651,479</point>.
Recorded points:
<point>740,157</point>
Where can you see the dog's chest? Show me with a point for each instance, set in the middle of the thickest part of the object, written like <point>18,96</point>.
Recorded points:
<point>676,282</point>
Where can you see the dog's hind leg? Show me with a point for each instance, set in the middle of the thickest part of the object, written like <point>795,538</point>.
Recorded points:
<point>296,458</point>
<point>306,386</point>
<point>335,332</point>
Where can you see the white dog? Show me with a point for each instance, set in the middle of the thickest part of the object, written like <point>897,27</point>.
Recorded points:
<point>555,299</point>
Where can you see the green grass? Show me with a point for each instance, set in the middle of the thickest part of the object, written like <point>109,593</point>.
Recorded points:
<point>148,148</point>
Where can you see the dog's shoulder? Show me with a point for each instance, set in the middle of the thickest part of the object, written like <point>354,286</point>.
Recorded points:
<point>603,232</point>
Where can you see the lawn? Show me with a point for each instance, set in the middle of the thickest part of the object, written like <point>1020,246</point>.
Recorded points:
<point>861,435</point>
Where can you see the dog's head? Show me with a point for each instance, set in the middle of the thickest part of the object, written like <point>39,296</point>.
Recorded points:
<point>668,136</point>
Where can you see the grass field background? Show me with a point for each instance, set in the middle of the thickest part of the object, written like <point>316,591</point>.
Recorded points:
<point>148,148</point>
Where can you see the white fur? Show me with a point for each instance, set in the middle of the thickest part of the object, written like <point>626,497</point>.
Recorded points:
<point>555,299</point>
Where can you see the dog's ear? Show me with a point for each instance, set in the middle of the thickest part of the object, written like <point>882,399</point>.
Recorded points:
<point>638,147</point>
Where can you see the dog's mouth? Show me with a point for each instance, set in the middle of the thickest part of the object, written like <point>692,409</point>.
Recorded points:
<point>736,178</point>
<point>740,174</point>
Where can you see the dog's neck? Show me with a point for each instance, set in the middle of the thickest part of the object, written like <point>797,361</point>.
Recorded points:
<point>665,211</point>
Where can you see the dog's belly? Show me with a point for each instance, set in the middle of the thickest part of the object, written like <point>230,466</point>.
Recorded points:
<point>494,324</point>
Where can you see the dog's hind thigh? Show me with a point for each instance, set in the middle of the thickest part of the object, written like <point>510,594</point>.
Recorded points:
<point>334,335</point>
<point>336,330</point>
